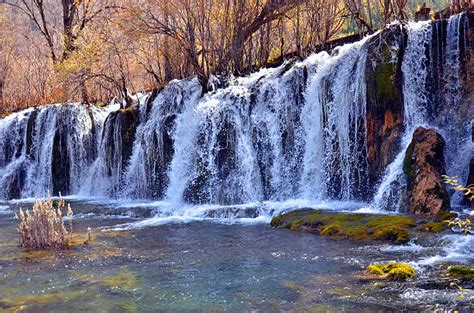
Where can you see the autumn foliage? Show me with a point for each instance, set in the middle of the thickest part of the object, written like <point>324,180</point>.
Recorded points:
<point>95,50</point>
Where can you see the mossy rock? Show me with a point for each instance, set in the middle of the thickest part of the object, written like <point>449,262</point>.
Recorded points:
<point>433,227</point>
<point>409,163</point>
<point>445,216</point>
<point>344,225</point>
<point>376,269</point>
<point>463,273</point>
<point>385,86</point>
<point>392,270</point>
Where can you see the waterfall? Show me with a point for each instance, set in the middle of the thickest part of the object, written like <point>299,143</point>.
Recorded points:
<point>416,103</point>
<point>421,69</point>
<point>48,149</point>
<point>334,119</point>
<point>153,149</point>
<point>302,130</point>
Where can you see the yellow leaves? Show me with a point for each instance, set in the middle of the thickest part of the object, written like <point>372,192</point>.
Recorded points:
<point>463,225</point>
<point>460,288</point>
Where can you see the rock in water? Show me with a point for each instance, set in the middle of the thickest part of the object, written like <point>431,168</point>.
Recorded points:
<point>424,164</point>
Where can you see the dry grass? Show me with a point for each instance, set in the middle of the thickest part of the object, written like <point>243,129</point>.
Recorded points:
<point>43,226</point>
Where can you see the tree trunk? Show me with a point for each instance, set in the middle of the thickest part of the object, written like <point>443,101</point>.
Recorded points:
<point>69,13</point>
<point>2,84</point>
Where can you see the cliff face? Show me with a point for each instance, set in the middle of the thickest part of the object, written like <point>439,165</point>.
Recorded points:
<point>385,106</point>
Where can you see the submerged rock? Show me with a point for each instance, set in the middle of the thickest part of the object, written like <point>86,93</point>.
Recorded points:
<point>424,164</point>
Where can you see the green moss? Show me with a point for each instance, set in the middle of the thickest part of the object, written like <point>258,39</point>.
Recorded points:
<point>385,87</point>
<point>393,228</point>
<point>332,230</point>
<point>20,303</point>
<point>277,220</point>
<point>403,272</point>
<point>442,216</point>
<point>391,233</point>
<point>461,272</point>
<point>124,280</point>
<point>296,225</point>
<point>392,270</point>
<point>433,227</point>
<point>344,225</point>
<point>409,163</point>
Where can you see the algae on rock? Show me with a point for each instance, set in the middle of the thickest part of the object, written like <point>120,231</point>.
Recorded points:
<point>345,225</point>
<point>392,270</point>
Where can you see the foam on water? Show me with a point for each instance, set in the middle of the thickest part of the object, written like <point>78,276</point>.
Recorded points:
<point>455,248</point>
<point>410,247</point>
<point>4,210</point>
<point>246,214</point>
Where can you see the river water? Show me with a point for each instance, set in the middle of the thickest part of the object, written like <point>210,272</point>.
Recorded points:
<point>213,265</point>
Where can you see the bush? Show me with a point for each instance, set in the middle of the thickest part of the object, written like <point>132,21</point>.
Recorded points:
<point>43,226</point>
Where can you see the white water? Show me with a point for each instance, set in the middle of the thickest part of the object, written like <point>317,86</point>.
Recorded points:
<point>418,103</point>
<point>26,167</point>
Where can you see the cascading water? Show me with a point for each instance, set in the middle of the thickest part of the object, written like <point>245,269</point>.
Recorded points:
<point>147,174</point>
<point>334,119</point>
<point>420,70</point>
<point>48,149</point>
<point>416,103</point>
<point>298,131</point>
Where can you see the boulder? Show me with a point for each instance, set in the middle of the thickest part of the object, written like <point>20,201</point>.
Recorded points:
<point>424,166</point>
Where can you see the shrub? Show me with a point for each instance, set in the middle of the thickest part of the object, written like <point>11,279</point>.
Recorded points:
<point>43,226</point>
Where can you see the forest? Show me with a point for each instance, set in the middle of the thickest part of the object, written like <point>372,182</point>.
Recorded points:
<point>55,51</point>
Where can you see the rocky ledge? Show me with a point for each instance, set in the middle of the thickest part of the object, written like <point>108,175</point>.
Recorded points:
<point>396,228</point>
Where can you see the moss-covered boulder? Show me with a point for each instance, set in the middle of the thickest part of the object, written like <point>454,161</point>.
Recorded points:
<point>462,273</point>
<point>346,225</point>
<point>392,270</point>
<point>433,227</point>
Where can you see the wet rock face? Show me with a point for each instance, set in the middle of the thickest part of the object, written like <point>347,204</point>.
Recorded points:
<point>468,95</point>
<point>424,164</point>
<point>384,100</point>
<point>123,125</point>
<point>60,161</point>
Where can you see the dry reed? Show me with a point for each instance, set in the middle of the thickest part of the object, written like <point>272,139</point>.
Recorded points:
<point>43,226</point>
